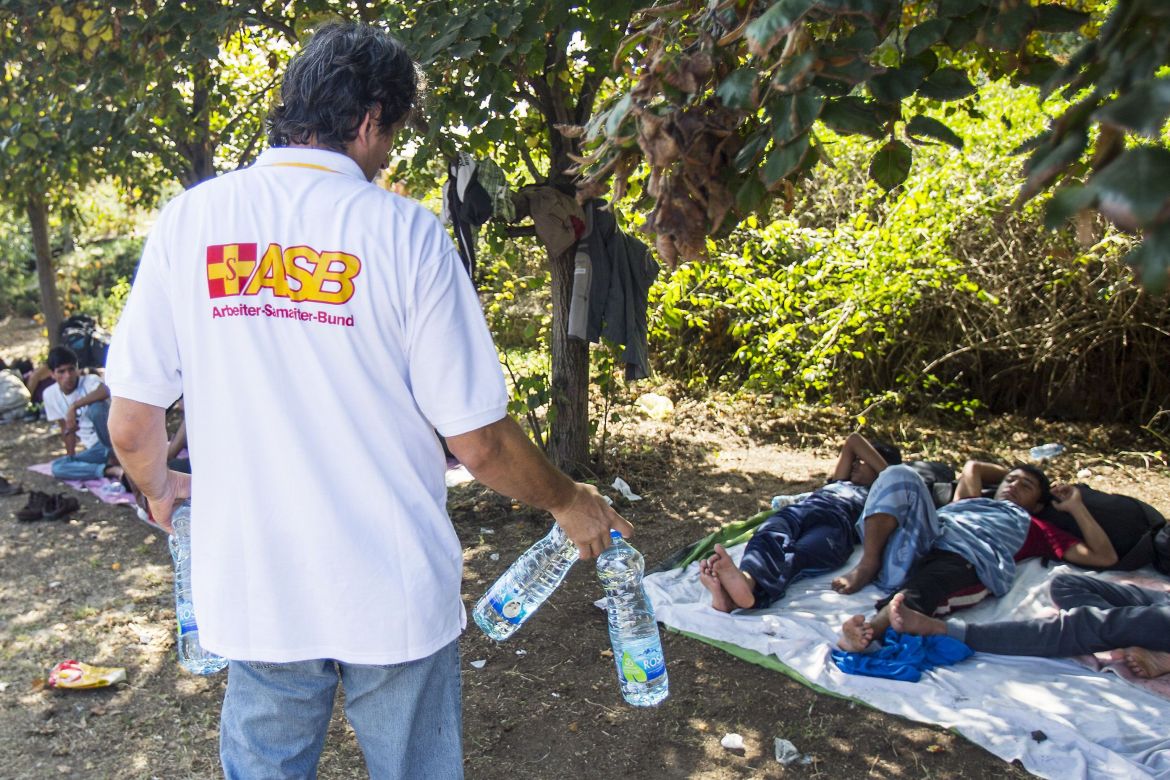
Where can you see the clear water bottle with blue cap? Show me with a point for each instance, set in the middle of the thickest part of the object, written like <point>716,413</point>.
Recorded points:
<point>526,584</point>
<point>192,656</point>
<point>1045,451</point>
<point>633,632</point>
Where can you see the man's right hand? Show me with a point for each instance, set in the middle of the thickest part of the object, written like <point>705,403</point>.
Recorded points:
<point>176,490</point>
<point>587,519</point>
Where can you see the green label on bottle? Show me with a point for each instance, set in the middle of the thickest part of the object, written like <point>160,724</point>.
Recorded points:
<point>631,670</point>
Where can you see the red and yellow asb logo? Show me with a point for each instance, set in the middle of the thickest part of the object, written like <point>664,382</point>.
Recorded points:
<point>299,273</point>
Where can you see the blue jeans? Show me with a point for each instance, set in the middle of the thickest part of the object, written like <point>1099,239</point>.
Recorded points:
<point>407,717</point>
<point>90,463</point>
<point>789,546</point>
<point>1094,615</point>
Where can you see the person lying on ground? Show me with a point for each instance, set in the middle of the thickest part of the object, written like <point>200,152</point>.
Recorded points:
<point>1095,615</point>
<point>928,554</point>
<point>899,524</point>
<point>1094,550</point>
<point>80,405</point>
<point>810,537</point>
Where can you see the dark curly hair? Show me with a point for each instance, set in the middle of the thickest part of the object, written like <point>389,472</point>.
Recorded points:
<point>344,71</point>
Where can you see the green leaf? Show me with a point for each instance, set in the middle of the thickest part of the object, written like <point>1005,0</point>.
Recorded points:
<point>751,194</point>
<point>896,84</point>
<point>738,89</point>
<point>783,160</point>
<point>1143,110</point>
<point>794,70</point>
<point>1006,31</point>
<point>766,31</point>
<point>1036,71</point>
<point>1048,161</point>
<point>1056,18</point>
<point>947,84</point>
<point>617,114</point>
<point>747,155</point>
<point>1152,259</point>
<point>1066,203</point>
<point>848,115</point>
<point>962,31</point>
<point>958,7</point>
<point>891,165</point>
<point>925,35</point>
<point>1134,189</point>
<point>464,49</point>
<point>932,128</point>
<point>29,140</point>
<point>795,113</point>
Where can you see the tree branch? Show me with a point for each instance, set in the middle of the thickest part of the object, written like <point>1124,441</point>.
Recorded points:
<point>588,94</point>
<point>273,22</point>
<point>246,110</point>
<point>528,161</point>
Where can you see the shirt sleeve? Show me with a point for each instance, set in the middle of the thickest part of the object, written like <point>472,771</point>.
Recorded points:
<point>454,368</point>
<point>54,404</point>
<point>143,362</point>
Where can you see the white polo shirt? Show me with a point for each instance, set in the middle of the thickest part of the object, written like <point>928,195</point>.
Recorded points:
<point>319,328</point>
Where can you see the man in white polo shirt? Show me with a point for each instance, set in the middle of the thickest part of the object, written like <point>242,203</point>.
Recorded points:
<point>320,330</point>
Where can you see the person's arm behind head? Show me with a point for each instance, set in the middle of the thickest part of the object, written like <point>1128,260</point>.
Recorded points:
<point>1096,551</point>
<point>857,446</point>
<point>975,475</point>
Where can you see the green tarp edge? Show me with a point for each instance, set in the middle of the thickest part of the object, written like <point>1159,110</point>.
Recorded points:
<point>768,662</point>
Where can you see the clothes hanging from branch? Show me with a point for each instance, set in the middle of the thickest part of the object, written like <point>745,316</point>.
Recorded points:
<point>466,206</point>
<point>612,275</point>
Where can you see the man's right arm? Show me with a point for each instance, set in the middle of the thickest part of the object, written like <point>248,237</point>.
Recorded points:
<point>975,475</point>
<point>500,456</point>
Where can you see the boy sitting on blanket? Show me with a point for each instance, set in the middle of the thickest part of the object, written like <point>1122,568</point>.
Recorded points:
<point>926,555</point>
<point>79,404</point>
<point>809,537</point>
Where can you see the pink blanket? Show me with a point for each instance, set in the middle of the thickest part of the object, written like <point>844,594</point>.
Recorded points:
<point>108,491</point>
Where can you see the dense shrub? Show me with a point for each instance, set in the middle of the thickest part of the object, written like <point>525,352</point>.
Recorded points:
<point>938,293</point>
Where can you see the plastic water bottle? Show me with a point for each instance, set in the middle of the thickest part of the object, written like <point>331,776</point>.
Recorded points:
<point>1045,451</point>
<point>525,585</point>
<point>633,632</point>
<point>192,656</point>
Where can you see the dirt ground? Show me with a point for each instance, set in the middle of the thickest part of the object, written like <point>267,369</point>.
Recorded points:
<point>97,587</point>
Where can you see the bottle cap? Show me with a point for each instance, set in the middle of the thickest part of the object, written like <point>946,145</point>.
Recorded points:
<point>614,535</point>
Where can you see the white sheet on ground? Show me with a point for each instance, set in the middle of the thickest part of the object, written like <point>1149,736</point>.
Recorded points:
<point>1097,725</point>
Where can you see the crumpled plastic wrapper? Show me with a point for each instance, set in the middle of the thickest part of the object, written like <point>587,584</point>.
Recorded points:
<point>78,675</point>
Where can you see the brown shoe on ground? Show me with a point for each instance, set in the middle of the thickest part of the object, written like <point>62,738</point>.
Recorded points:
<point>59,506</point>
<point>35,508</point>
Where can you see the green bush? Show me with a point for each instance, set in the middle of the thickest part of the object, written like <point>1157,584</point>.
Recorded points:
<point>939,293</point>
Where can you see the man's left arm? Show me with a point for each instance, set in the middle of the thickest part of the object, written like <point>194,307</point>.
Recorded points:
<point>138,432</point>
<point>1096,550</point>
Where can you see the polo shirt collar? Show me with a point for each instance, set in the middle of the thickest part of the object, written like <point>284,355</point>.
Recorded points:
<point>311,158</point>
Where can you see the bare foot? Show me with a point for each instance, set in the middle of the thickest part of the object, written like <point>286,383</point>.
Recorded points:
<point>856,579</point>
<point>1147,663</point>
<point>737,584</point>
<point>910,621</point>
<point>720,600</point>
<point>856,635</point>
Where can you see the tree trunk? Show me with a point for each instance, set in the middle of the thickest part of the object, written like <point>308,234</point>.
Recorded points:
<point>38,220</point>
<point>199,147</point>
<point>568,439</point>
